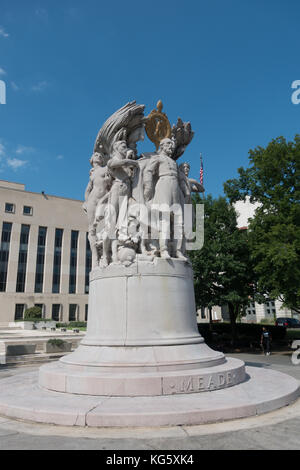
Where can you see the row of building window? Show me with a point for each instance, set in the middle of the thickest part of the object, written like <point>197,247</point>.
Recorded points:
<point>10,208</point>
<point>40,259</point>
<point>269,308</point>
<point>56,312</point>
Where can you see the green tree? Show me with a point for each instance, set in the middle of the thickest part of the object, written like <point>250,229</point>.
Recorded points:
<point>273,180</point>
<point>33,313</point>
<point>223,270</point>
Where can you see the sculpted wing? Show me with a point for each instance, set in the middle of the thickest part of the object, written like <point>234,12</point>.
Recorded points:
<point>119,126</point>
<point>182,134</point>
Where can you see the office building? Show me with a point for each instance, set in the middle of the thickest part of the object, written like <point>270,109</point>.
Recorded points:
<point>45,257</point>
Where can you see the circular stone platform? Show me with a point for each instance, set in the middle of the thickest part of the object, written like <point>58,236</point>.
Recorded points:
<point>261,392</point>
<point>90,381</point>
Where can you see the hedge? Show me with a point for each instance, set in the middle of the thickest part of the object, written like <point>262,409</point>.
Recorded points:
<point>250,330</point>
<point>72,324</point>
<point>56,342</point>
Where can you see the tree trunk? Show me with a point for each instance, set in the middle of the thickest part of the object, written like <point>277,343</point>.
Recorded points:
<point>210,317</point>
<point>233,309</point>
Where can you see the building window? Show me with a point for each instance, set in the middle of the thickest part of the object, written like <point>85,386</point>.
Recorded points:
<point>57,260</point>
<point>86,312</point>
<point>27,210</point>
<point>72,312</point>
<point>4,254</point>
<point>88,265</point>
<point>19,311</point>
<point>55,312</point>
<point>270,308</point>
<point>40,260</point>
<point>22,262</point>
<point>73,261</point>
<point>250,310</point>
<point>9,208</point>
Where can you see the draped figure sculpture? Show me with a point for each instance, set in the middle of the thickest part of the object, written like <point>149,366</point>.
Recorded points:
<point>97,190</point>
<point>124,186</point>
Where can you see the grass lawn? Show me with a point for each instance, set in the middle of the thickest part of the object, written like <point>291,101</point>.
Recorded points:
<point>80,328</point>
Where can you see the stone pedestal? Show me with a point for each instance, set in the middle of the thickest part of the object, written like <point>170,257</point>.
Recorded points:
<point>143,362</point>
<point>142,338</point>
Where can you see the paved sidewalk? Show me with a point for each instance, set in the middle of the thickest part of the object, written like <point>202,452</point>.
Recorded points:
<point>276,430</point>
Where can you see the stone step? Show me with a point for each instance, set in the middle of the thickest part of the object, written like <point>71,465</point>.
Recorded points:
<point>262,392</point>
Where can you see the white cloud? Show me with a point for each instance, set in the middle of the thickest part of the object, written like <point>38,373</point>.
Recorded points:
<point>14,86</point>
<point>39,87</point>
<point>41,14</point>
<point>15,163</point>
<point>2,71</point>
<point>23,149</point>
<point>2,150</point>
<point>3,33</point>
<point>8,156</point>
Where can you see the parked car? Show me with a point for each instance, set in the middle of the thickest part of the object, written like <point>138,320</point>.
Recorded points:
<point>288,322</point>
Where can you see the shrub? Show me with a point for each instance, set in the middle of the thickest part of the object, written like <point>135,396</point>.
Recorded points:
<point>56,342</point>
<point>244,330</point>
<point>267,321</point>
<point>33,313</point>
<point>72,324</point>
<point>35,320</point>
<point>77,324</point>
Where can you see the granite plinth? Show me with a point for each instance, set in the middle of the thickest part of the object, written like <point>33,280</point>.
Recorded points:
<point>90,381</point>
<point>263,391</point>
<point>143,362</point>
<point>145,304</point>
<point>143,339</point>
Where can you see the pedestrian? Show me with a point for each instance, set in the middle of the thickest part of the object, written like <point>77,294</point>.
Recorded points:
<point>265,341</point>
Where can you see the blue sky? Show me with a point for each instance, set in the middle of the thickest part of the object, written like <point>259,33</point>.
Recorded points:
<point>225,65</point>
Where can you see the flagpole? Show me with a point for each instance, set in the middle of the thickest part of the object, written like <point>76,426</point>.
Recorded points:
<point>201,172</point>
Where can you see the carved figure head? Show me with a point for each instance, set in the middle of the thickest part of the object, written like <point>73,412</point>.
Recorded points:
<point>97,159</point>
<point>185,168</point>
<point>120,148</point>
<point>167,147</point>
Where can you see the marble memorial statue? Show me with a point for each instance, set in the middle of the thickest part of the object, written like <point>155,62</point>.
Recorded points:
<point>120,181</point>
<point>142,361</point>
<point>142,314</point>
<point>97,189</point>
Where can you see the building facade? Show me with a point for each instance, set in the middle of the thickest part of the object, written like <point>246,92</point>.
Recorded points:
<point>45,257</point>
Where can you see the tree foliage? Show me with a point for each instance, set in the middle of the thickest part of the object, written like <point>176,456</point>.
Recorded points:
<point>222,268</point>
<point>273,181</point>
<point>33,313</point>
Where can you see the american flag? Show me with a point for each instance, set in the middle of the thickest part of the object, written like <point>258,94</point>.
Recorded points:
<point>201,169</point>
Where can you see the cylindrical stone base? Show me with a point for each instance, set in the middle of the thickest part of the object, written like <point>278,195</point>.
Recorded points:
<point>142,337</point>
